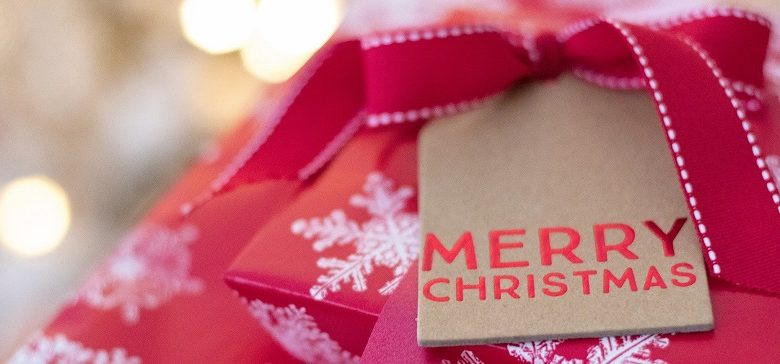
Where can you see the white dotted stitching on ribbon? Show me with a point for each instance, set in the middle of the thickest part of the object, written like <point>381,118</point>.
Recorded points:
<point>697,14</point>
<point>397,117</point>
<point>379,40</point>
<point>415,35</point>
<point>755,95</point>
<point>627,83</point>
<point>613,82</point>
<point>260,136</point>
<point>576,27</point>
<point>387,118</point>
<point>746,89</point>
<point>746,127</point>
<point>671,134</point>
<point>711,12</point>
<point>333,147</point>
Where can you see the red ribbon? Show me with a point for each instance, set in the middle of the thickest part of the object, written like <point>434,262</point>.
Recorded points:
<point>687,66</point>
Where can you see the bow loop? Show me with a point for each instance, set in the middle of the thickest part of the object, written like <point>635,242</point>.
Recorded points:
<point>405,73</point>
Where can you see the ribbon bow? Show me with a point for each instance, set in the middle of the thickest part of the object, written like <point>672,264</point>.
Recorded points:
<point>689,66</point>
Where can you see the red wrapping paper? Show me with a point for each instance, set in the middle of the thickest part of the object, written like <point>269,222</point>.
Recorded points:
<point>366,193</point>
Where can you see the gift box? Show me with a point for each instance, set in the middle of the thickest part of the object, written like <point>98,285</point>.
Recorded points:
<point>354,230</point>
<point>319,233</point>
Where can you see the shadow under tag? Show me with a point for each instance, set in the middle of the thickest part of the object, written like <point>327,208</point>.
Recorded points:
<point>555,212</point>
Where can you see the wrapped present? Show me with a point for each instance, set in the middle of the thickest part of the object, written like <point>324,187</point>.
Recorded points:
<point>320,234</point>
<point>352,231</point>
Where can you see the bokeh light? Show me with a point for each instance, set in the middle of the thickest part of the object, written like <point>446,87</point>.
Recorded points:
<point>287,33</point>
<point>217,26</point>
<point>34,215</point>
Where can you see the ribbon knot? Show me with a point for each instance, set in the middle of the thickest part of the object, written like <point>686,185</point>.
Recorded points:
<point>547,57</point>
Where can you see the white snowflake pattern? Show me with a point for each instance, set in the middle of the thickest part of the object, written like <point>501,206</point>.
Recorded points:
<point>626,349</point>
<point>537,352</point>
<point>466,357</point>
<point>298,333</point>
<point>609,350</point>
<point>390,238</point>
<point>59,349</point>
<point>151,265</point>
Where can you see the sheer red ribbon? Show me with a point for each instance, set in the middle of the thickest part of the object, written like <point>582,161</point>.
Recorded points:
<point>688,67</point>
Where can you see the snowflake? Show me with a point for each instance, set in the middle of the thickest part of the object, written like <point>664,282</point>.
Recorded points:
<point>296,331</point>
<point>61,350</point>
<point>626,349</point>
<point>538,352</point>
<point>150,267</point>
<point>609,350</point>
<point>389,239</point>
<point>466,357</point>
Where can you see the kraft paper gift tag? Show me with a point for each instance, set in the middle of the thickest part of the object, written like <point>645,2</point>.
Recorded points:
<point>555,212</point>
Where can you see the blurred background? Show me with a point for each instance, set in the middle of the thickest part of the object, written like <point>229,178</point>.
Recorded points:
<point>104,102</point>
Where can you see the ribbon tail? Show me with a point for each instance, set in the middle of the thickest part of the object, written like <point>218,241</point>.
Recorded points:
<point>732,200</point>
<point>318,114</point>
<point>328,100</point>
